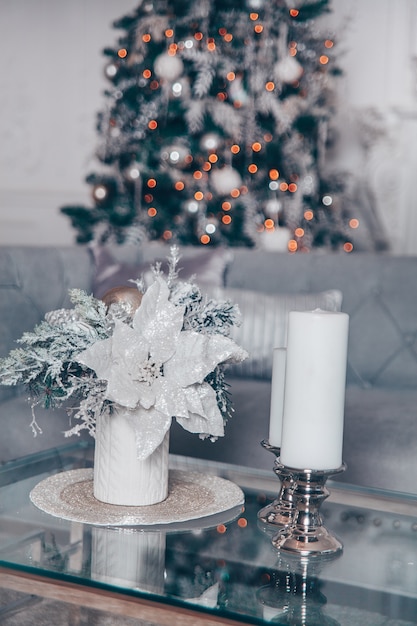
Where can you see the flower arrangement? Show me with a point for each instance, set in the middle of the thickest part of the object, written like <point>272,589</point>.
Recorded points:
<point>162,359</point>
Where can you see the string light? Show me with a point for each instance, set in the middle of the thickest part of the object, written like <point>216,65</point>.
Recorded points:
<point>205,239</point>
<point>198,195</point>
<point>283,187</point>
<point>354,223</point>
<point>122,53</point>
<point>269,224</point>
<point>292,187</point>
<point>308,215</point>
<point>226,219</point>
<point>235,193</point>
<point>153,124</point>
<point>258,28</point>
<point>299,232</point>
<point>294,12</point>
<point>235,149</point>
<point>292,245</point>
<point>167,235</point>
<point>169,32</point>
<point>179,185</point>
<point>228,37</point>
<point>348,246</point>
<point>252,169</point>
<point>270,86</point>
<point>324,59</point>
<point>146,73</point>
<point>146,38</point>
<point>151,183</point>
<point>328,43</point>
<point>273,174</point>
<point>226,206</point>
<point>256,146</point>
<point>152,211</point>
<point>198,36</point>
<point>230,76</point>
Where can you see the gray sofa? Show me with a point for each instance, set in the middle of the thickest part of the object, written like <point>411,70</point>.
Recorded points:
<point>379,294</point>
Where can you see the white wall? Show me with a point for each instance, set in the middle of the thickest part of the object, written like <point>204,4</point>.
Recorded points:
<point>51,83</point>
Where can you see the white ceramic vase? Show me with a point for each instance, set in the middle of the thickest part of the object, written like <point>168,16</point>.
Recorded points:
<point>119,476</point>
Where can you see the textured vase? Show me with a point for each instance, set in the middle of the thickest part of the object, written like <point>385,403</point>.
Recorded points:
<point>119,476</point>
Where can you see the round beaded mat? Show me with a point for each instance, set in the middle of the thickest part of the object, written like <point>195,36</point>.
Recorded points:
<point>191,496</point>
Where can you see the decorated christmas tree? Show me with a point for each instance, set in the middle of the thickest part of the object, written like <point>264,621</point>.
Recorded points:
<point>215,127</point>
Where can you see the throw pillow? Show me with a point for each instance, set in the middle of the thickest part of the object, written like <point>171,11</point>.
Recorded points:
<point>264,323</point>
<point>207,266</point>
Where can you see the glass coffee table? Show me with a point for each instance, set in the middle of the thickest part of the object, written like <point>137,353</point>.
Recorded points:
<point>216,569</point>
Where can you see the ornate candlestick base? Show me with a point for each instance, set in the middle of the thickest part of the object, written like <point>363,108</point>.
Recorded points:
<point>306,535</point>
<point>279,513</point>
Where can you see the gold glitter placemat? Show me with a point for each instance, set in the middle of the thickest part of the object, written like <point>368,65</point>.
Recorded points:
<point>191,496</point>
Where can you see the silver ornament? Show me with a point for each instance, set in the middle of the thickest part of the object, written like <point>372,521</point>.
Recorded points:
<point>168,67</point>
<point>210,142</point>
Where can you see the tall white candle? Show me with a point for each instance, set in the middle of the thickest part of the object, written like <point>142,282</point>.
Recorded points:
<point>312,434</point>
<point>277,396</point>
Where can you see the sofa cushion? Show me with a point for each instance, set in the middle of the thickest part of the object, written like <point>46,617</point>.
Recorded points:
<point>264,322</point>
<point>206,265</point>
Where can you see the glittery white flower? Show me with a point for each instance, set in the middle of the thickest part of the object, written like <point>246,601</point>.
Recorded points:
<point>155,370</point>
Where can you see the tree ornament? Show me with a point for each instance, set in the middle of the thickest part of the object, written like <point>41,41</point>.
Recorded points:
<point>100,193</point>
<point>210,142</point>
<point>176,155</point>
<point>180,89</point>
<point>288,70</point>
<point>111,70</point>
<point>255,4</point>
<point>237,92</point>
<point>273,207</point>
<point>132,172</point>
<point>225,179</point>
<point>127,299</point>
<point>168,67</point>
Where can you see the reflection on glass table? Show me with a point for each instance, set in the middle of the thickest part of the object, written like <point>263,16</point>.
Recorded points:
<point>224,565</point>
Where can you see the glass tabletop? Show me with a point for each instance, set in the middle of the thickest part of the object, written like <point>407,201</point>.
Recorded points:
<point>223,565</point>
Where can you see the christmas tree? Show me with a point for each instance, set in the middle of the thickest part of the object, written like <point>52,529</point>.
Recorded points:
<point>215,127</point>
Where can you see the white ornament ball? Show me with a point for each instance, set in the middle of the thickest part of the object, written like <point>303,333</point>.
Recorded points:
<point>288,70</point>
<point>180,89</point>
<point>225,179</point>
<point>210,142</point>
<point>168,67</point>
<point>176,155</point>
<point>273,207</point>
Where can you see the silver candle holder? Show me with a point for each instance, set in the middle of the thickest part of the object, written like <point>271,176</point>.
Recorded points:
<point>306,535</point>
<point>279,514</point>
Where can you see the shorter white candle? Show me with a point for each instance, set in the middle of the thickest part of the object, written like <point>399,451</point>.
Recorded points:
<point>277,396</point>
<point>312,432</point>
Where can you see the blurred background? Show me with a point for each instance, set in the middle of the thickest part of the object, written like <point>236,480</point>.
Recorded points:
<point>51,88</point>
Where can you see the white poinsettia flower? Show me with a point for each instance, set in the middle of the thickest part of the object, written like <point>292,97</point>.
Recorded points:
<point>155,370</point>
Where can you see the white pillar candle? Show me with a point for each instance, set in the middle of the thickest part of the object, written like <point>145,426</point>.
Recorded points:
<point>315,382</point>
<point>277,396</point>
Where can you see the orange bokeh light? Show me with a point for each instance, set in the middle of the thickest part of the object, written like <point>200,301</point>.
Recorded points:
<point>273,174</point>
<point>230,76</point>
<point>270,86</point>
<point>213,158</point>
<point>198,195</point>
<point>153,124</point>
<point>253,16</point>
<point>292,245</point>
<point>167,235</point>
<point>324,59</point>
<point>269,224</point>
<point>152,211</point>
<point>198,36</point>
<point>242,522</point>
<point>221,528</point>
<point>328,43</point>
<point>348,247</point>
<point>226,219</point>
<point>198,175</point>
<point>146,73</point>
<point>308,215</point>
<point>252,169</point>
<point>294,12</point>
<point>299,232</point>
<point>235,148</point>
<point>258,28</point>
<point>179,185</point>
<point>169,32</point>
<point>228,37</point>
<point>256,146</point>
<point>283,187</point>
<point>292,187</point>
<point>122,53</point>
<point>354,223</point>
<point>226,206</point>
<point>146,37</point>
<point>151,183</point>
<point>235,193</point>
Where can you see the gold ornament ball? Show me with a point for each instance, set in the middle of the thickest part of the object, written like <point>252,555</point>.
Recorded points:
<point>127,297</point>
